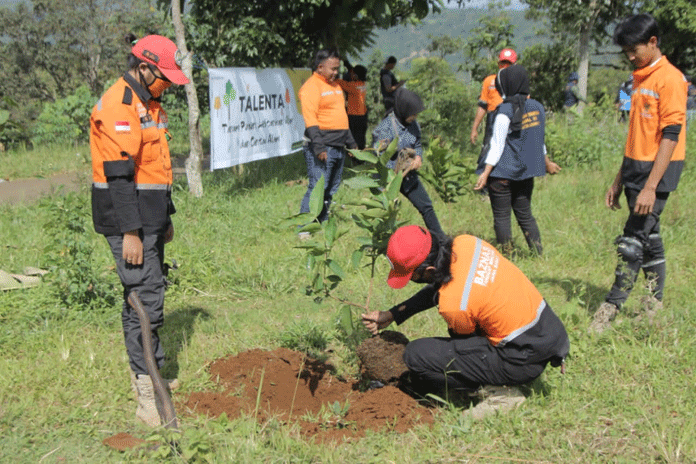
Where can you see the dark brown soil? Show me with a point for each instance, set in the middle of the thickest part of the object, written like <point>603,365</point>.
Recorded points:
<point>297,389</point>
<point>381,357</point>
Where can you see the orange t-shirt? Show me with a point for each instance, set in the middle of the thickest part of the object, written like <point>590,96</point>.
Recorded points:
<point>323,104</point>
<point>658,100</point>
<point>356,92</point>
<point>490,98</point>
<point>487,292</point>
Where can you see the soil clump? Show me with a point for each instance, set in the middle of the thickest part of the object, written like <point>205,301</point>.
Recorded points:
<point>381,357</point>
<point>296,389</point>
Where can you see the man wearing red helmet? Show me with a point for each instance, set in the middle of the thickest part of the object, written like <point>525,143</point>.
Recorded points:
<point>502,331</point>
<point>131,193</point>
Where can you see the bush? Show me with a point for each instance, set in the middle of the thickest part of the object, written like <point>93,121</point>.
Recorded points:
<point>586,140</point>
<point>76,279</point>
<point>66,120</point>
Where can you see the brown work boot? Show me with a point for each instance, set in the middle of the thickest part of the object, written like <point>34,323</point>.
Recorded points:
<point>650,306</point>
<point>603,317</point>
<point>495,399</point>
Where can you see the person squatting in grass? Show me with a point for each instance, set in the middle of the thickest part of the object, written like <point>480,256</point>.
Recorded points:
<point>326,129</point>
<point>516,155</point>
<point>402,122</point>
<point>651,168</point>
<point>502,331</point>
<point>131,194</point>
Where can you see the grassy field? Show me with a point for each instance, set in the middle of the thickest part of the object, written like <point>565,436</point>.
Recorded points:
<point>64,384</point>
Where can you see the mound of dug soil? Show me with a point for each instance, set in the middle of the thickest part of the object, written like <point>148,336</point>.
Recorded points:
<point>381,357</point>
<point>294,388</point>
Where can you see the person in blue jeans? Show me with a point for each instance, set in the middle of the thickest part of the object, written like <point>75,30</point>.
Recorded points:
<point>401,122</point>
<point>517,154</point>
<point>327,130</point>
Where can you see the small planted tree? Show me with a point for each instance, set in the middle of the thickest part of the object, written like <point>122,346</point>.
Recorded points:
<point>446,172</point>
<point>376,214</point>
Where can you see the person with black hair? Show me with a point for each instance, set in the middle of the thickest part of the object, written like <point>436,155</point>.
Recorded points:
<point>402,122</point>
<point>502,331</point>
<point>355,88</point>
<point>327,133</point>
<point>131,194</point>
<point>516,155</point>
<point>652,164</point>
<point>389,83</point>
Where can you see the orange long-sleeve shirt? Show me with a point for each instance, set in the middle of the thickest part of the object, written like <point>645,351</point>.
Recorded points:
<point>324,113</point>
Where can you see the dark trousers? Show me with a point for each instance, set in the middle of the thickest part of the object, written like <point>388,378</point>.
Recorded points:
<point>506,194</point>
<point>148,281</point>
<point>441,364</point>
<point>651,258</point>
<point>358,127</point>
<point>418,196</point>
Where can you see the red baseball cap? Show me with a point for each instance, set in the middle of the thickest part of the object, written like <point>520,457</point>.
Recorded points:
<point>162,53</point>
<point>407,249</point>
<point>508,54</point>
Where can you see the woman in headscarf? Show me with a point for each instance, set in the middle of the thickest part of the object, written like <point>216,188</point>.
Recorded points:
<point>401,122</point>
<point>517,155</point>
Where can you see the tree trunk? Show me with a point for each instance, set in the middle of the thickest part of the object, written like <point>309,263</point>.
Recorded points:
<point>584,63</point>
<point>193,162</point>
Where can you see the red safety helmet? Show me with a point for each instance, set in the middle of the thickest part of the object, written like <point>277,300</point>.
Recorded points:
<point>508,54</point>
<point>162,53</point>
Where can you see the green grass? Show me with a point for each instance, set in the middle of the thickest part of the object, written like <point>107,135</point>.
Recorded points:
<point>626,396</point>
<point>42,161</point>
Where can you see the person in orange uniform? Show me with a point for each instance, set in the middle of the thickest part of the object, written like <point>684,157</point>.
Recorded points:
<point>356,91</point>
<point>502,331</point>
<point>490,98</point>
<point>131,193</point>
<point>326,129</point>
<point>651,167</point>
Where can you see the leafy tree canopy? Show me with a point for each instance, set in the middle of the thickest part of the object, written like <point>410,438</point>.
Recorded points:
<point>270,33</point>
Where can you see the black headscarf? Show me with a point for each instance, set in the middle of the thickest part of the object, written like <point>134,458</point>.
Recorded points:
<point>512,83</point>
<point>406,104</point>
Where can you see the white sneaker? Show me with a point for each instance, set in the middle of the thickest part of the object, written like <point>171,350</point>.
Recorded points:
<point>495,399</point>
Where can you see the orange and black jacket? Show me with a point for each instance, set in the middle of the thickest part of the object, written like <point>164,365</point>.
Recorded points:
<point>324,113</point>
<point>658,111</point>
<point>131,167</point>
<point>489,296</point>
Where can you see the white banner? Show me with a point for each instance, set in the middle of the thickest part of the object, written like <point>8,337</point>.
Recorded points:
<point>254,114</point>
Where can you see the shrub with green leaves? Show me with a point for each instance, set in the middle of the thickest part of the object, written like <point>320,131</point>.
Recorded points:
<point>446,171</point>
<point>584,141</point>
<point>66,120</point>
<point>76,279</point>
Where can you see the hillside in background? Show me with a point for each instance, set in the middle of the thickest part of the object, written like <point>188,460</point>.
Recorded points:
<point>408,41</point>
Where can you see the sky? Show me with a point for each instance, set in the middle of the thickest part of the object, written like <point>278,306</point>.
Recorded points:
<point>514,4</point>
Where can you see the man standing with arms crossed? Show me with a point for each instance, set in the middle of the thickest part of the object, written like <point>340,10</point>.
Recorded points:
<point>652,164</point>
<point>326,129</point>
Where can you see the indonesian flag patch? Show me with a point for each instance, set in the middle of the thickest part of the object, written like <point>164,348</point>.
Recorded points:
<point>122,126</point>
